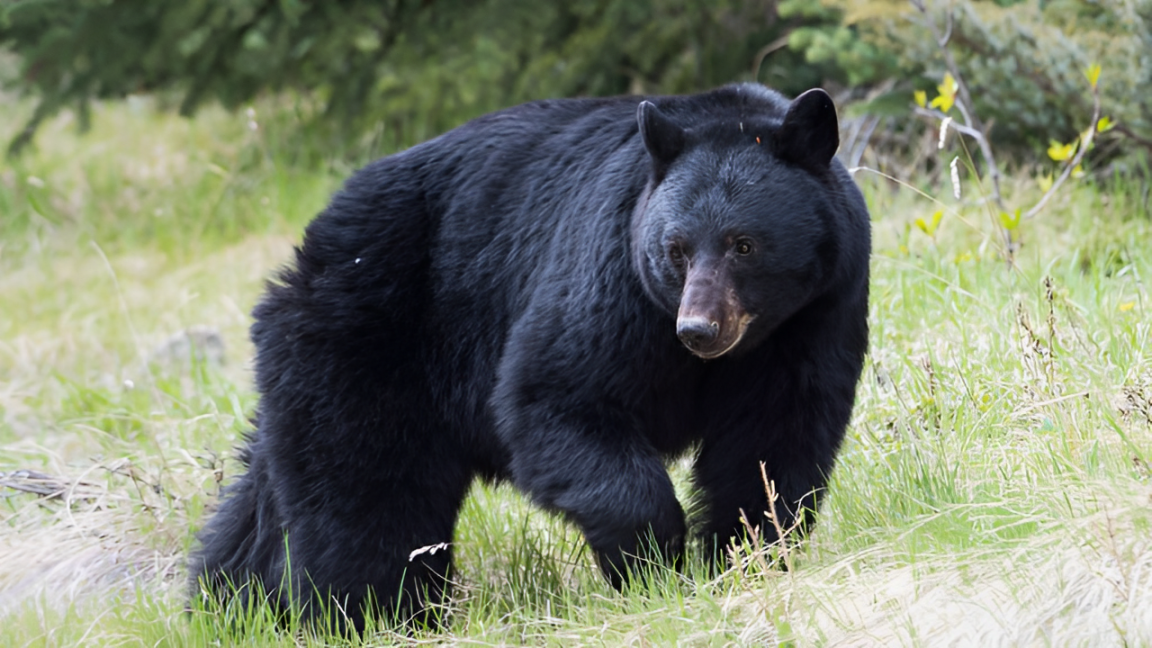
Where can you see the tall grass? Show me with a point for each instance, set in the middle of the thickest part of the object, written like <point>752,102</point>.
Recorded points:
<point>995,487</point>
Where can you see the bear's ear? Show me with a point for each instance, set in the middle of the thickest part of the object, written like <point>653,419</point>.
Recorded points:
<point>810,134</point>
<point>663,139</point>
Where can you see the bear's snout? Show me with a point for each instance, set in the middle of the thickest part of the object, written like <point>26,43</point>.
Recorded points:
<point>711,320</point>
<point>697,333</point>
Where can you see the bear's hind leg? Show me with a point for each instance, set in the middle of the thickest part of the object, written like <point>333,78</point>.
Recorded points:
<point>385,554</point>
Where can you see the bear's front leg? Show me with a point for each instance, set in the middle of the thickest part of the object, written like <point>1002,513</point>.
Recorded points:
<point>576,447</point>
<point>785,406</point>
<point>616,490</point>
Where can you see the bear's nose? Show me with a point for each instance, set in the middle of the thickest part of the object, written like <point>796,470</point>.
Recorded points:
<point>697,332</point>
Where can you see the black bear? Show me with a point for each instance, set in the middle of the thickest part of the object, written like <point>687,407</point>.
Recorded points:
<point>564,294</point>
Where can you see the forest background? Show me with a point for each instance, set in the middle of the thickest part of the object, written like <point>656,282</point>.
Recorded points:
<point>385,75</point>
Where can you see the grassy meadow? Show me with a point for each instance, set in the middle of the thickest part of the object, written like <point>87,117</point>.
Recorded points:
<point>995,487</point>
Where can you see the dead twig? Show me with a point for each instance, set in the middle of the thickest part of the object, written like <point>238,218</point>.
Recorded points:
<point>781,534</point>
<point>47,486</point>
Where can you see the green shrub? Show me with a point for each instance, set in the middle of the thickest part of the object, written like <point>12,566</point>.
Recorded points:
<point>1023,61</point>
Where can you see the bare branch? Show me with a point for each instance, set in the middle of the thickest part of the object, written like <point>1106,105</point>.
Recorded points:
<point>1085,144</point>
<point>1130,134</point>
<point>965,100</point>
<point>956,126</point>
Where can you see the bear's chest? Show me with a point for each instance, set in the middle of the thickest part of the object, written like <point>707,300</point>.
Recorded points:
<point>669,409</point>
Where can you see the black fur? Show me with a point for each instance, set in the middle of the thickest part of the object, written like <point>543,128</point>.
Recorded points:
<point>504,301</point>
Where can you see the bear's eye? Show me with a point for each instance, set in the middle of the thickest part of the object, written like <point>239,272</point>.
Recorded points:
<point>744,247</point>
<point>676,253</point>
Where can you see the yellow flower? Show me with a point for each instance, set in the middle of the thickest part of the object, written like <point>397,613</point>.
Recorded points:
<point>1093,74</point>
<point>1078,172</point>
<point>1045,182</point>
<point>1104,125</point>
<point>1127,306</point>
<point>929,227</point>
<point>1010,221</point>
<point>1061,152</point>
<point>920,97</point>
<point>947,97</point>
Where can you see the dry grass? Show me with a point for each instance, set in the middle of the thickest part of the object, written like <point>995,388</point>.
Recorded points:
<point>1084,581</point>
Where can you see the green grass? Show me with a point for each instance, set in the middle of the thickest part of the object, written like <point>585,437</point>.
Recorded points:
<point>996,486</point>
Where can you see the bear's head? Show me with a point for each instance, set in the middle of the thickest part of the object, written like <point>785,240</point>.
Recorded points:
<point>737,229</point>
